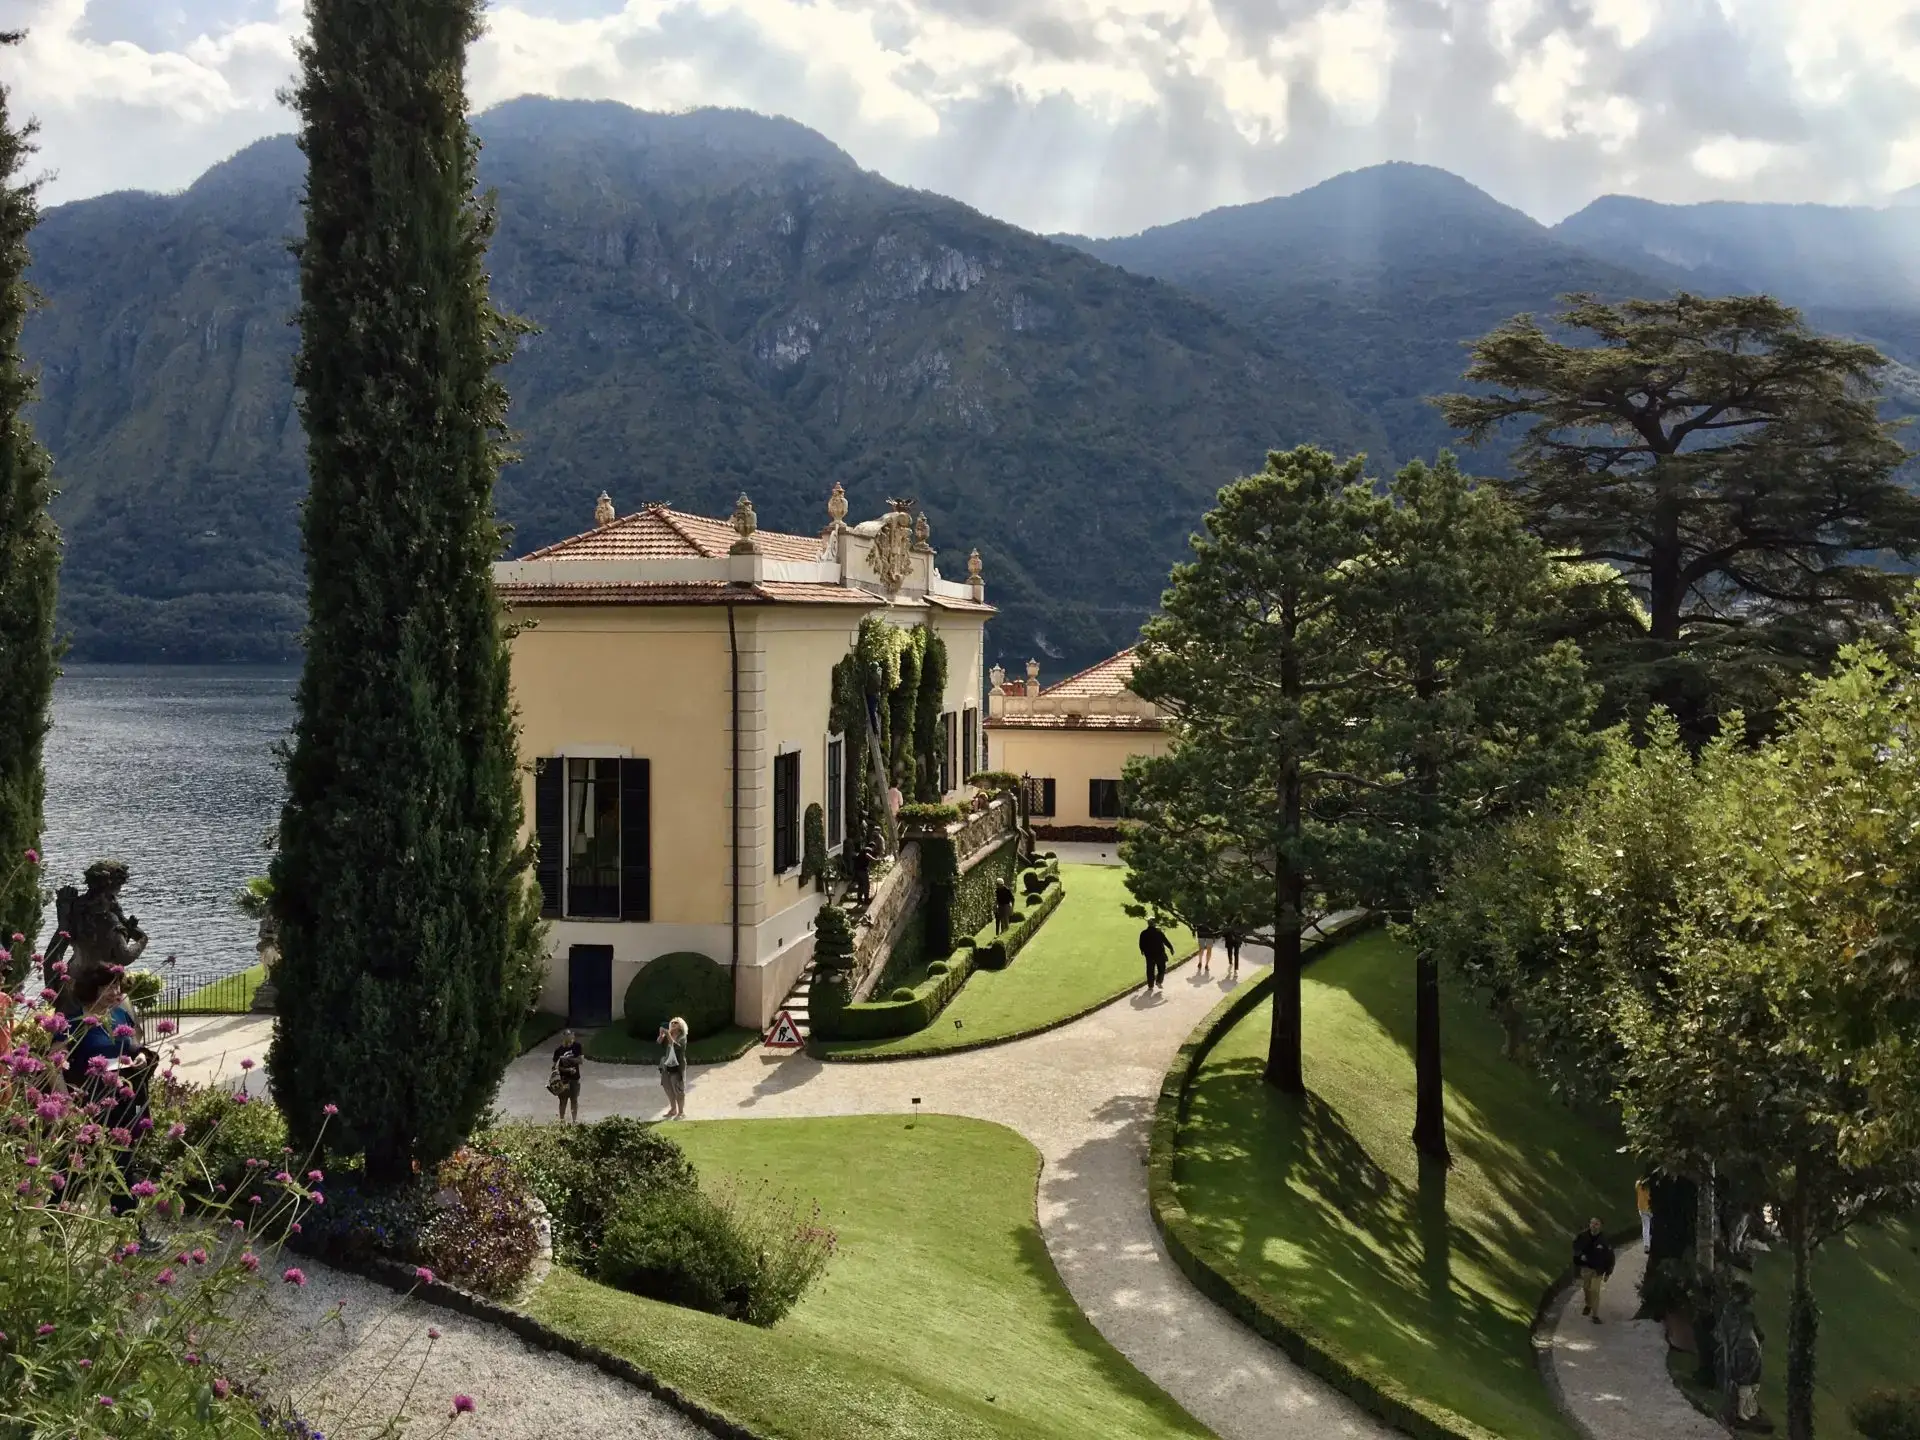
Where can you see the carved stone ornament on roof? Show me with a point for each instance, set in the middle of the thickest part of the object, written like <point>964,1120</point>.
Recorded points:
<point>973,565</point>
<point>922,533</point>
<point>837,505</point>
<point>744,523</point>
<point>892,552</point>
<point>603,511</point>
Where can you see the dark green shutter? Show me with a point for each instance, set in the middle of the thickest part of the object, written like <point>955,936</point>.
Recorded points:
<point>549,828</point>
<point>636,840</point>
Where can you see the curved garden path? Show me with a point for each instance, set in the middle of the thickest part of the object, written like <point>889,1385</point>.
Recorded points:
<point>1084,1095</point>
<point>1613,1377</point>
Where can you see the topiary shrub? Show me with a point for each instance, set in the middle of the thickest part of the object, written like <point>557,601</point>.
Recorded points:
<point>1887,1414</point>
<point>748,1263</point>
<point>902,993</point>
<point>684,983</point>
<point>937,967</point>
<point>832,940</point>
<point>484,1233</point>
<point>920,815</point>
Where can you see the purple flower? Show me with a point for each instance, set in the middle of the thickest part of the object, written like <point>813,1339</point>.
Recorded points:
<point>25,1187</point>
<point>463,1405</point>
<point>106,1402</point>
<point>43,1330</point>
<point>123,1031</point>
<point>30,1160</point>
<point>294,1275</point>
<point>198,1255</point>
<point>191,1358</point>
<point>423,1275</point>
<point>50,1109</point>
<point>165,1277</point>
<point>246,1064</point>
<point>240,1097</point>
<point>144,1189</point>
<point>315,1176</point>
<point>120,1136</point>
<point>317,1198</point>
<point>33,857</point>
<point>329,1109</point>
<point>166,1027</point>
<point>250,1260</point>
<point>221,1389</point>
<point>176,1131</point>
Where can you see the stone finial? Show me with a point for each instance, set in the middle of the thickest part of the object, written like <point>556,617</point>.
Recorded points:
<point>998,676</point>
<point>603,511</point>
<point>744,523</point>
<point>973,566</point>
<point>922,532</point>
<point>1033,677</point>
<point>837,505</point>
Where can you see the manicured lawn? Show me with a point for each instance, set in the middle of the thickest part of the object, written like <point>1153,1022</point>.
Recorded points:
<point>229,995</point>
<point>1085,955</point>
<point>612,1043</point>
<point>540,1026</point>
<point>1867,1284</point>
<point>941,1317</point>
<point>1426,1279</point>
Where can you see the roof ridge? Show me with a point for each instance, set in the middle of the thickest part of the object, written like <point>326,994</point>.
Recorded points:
<point>1097,665</point>
<point>671,517</point>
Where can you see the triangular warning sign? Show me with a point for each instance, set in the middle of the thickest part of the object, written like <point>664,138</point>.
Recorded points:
<point>785,1035</point>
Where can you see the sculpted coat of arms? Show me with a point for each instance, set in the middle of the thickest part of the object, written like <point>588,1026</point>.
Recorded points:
<point>892,552</point>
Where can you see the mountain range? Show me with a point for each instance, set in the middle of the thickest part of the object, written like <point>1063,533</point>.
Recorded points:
<point>726,303</point>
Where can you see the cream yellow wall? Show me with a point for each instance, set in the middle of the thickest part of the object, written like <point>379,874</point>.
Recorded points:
<point>961,632</point>
<point>1072,758</point>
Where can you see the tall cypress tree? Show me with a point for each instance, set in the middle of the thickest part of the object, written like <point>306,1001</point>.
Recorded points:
<point>408,926</point>
<point>29,554</point>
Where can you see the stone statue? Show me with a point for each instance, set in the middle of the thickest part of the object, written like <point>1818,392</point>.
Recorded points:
<point>922,532</point>
<point>745,523</point>
<point>93,928</point>
<point>603,511</point>
<point>837,505</point>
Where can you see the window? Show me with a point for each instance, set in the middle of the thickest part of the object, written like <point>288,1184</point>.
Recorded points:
<point>948,735</point>
<point>1103,799</point>
<point>1040,797</point>
<point>836,791</point>
<point>592,825</point>
<point>786,811</point>
<point>970,743</point>
<point>593,839</point>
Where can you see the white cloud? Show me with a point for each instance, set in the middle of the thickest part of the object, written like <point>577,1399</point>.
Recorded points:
<point>1097,115</point>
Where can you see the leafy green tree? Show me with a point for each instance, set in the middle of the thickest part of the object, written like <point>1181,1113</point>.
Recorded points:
<point>1781,1050</point>
<point>1468,710</point>
<point>1254,654</point>
<point>409,927</point>
<point>1182,855</point>
<point>1730,462</point>
<point>29,554</point>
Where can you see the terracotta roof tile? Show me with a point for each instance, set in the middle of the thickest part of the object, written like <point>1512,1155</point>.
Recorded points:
<point>949,602</point>
<point>1074,722</point>
<point>659,532</point>
<point>681,592</point>
<point>1109,677</point>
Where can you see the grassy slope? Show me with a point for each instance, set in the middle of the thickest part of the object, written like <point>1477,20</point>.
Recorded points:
<point>1431,1280</point>
<point>1085,955</point>
<point>941,1317</point>
<point>232,993</point>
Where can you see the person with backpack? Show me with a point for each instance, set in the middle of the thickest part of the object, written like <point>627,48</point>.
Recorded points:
<point>564,1083</point>
<point>673,1067</point>
<point>1157,950</point>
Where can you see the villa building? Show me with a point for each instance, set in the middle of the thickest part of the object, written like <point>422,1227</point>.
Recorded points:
<point>1071,740</point>
<point>673,675</point>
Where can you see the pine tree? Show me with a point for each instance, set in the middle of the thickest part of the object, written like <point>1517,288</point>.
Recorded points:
<point>408,926</point>
<point>29,555</point>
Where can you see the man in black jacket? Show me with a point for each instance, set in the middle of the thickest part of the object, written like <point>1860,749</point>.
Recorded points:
<point>1156,949</point>
<point>1593,1260</point>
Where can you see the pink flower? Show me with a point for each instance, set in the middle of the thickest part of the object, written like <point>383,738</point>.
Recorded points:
<point>295,1227</point>
<point>49,995</point>
<point>166,1027</point>
<point>282,1177</point>
<point>30,1160</point>
<point>463,1405</point>
<point>120,1136</point>
<point>433,1332</point>
<point>294,1275</point>
<point>253,1200</point>
<point>221,1389</point>
<point>144,1189</point>
<point>50,1109</point>
<point>43,1330</point>
<point>33,857</point>
<point>123,1031</point>
<point>106,1402</point>
<point>85,1364</point>
<point>54,1024</point>
<point>191,1358</point>
<point>246,1064</point>
<point>315,1176</point>
<point>423,1275</point>
<point>198,1255</point>
<point>240,1097</point>
<point>165,1277</point>
<point>251,1261</point>
<point>317,1198</point>
<point>329,1109</point>
<point>176,1131</point>
<point>25,1187</point>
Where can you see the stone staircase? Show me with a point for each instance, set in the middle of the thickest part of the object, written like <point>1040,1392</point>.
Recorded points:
<point>796,1003</point>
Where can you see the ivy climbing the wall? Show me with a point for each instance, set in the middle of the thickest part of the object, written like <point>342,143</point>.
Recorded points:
<point>904,673</point>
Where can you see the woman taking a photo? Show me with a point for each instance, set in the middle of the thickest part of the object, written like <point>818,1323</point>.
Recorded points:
<point>673,1067</point>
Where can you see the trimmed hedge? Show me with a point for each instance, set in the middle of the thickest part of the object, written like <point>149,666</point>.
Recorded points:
<point>1211,1273</point>
<point>684,983</point>
<point>996,952</point>
<point>884,1019</point>
<point>973,895</point>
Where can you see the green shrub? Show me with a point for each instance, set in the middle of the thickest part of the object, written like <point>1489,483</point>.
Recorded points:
<point>996,782</point>
<point>813,848</point>
<point>832,940</point>
<point>1668,1288</point>
<point>683,983</point>
<point>582,1172</point>
<point>142,989</point>
<point>224,1132</point>
<point>923,815</point>
<point>973,894</point>
<point>935,967</point>
<point>748,1263</point>
<point>483,1232</point>
<point>903,993</point>
<point>1887,1414</point>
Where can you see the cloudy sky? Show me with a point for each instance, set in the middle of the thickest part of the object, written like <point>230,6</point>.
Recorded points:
<point>1101,116</point>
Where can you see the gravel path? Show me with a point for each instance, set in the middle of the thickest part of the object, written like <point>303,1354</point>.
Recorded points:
<point>1613,1376</point>
<point>1084,1095</point>
<point>368,1367</point>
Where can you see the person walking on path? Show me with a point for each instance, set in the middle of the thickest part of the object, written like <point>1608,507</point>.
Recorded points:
<point>1205,958</point>
<point>673,1067</point>
<point>1156,949</point>
<point>863,872</point>
<point>1002,906</point>
<point>1593,1259</point>
<point>1232,941</point>
<point>1643,1202</point>
<point>565,1083</point>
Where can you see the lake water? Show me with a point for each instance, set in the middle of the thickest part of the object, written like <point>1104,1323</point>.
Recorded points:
<point>171,769</point>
